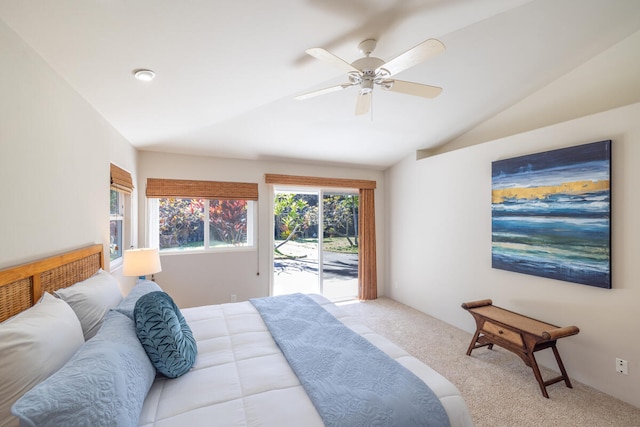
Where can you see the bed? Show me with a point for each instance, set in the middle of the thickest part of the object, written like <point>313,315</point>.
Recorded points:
<point>240,375</point>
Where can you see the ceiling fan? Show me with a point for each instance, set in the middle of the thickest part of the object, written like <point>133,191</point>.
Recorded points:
<point>369,71</point>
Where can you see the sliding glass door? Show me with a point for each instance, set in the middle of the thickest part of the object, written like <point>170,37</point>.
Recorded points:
<point>316,243</point>
<point>295,257</point>
<point>339,247</point>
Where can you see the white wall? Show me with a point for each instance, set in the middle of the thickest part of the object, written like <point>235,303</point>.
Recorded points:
<point>438,217</point>
<point>211,278</point>
<point>608,80</point>
<point>55,151</point>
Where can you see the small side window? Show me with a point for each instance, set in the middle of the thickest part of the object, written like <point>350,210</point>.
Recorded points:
<point>119,213</point>
<point>116,225</point>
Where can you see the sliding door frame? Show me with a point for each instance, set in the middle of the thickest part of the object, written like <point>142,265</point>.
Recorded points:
<point>367,274</point>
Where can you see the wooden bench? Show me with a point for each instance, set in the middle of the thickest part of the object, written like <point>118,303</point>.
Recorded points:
<point>519,334</point>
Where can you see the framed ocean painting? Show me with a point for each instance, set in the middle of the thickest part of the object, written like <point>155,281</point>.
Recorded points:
<point>551,214</point>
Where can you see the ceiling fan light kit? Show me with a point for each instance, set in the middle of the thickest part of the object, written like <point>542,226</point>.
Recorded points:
<point>369,71</point>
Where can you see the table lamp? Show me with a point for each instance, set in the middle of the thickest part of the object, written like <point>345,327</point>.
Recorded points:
<point>140,262</point>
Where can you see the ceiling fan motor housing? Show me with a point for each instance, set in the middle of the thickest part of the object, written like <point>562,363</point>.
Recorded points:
<point>367,63</point>
<point>367,76</point>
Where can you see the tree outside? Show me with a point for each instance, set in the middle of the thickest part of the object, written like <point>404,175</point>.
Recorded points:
<point>296,220</point>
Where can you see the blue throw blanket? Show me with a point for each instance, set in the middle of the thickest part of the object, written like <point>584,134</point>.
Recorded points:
<point>350,381</point>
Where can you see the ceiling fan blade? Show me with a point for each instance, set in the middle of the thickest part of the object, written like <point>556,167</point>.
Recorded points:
<point>323,91</point>
<point>363,105</point>
<point>411,88</point>
<point>326,56</point>
<point>425,50</point>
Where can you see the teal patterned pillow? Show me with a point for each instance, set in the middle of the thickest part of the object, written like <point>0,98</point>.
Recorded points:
<point>164,334</point>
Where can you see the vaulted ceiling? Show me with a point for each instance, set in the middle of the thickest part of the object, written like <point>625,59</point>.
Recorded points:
<point>227,72</point>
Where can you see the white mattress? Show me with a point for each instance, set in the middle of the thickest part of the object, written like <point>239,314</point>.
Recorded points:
<point>240,377</point>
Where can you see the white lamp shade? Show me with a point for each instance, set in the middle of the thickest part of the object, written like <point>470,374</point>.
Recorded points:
<point>140,262</point>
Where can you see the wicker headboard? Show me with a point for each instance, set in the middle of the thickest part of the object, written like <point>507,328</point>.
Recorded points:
<point>23,285</point>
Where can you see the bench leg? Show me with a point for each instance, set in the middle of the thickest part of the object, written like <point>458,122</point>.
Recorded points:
<point>479,341</point>
<point>538,375</point>
<point>473,342</point>
<point>561,366</point>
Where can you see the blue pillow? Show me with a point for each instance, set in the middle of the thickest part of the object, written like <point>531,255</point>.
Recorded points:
<point>164,334</point>
<point>143,287</point>
<point>103,384</point>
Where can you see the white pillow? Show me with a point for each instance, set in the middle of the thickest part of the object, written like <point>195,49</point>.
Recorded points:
<point>33,345</point>
<point>91,299</point>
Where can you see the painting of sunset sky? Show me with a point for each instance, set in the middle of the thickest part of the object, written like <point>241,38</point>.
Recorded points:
<point>551,214</point>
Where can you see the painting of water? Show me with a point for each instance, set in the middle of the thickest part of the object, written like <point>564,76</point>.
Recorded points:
<point>551,214</point>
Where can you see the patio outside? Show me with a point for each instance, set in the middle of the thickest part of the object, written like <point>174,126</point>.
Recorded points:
<point>296,270</point>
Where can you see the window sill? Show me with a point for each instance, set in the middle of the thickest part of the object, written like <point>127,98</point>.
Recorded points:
<point>195,251</point>
<point>115,264</point>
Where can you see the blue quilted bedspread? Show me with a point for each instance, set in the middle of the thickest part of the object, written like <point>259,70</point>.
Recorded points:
<point>349,380</point>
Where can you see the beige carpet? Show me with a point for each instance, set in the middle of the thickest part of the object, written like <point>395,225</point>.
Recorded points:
<point>500,390</point>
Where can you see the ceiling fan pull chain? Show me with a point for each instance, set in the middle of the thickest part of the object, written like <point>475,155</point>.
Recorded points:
<point>371,110</point>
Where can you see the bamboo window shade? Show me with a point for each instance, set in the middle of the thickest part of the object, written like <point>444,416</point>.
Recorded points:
<point>121,179</point>
<point>318,181</point>
<point>367,267</point>
<point>213,190</point>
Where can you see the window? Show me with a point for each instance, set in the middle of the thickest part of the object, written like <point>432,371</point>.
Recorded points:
<point>189,218</point>
<point>120,194</point>
<point>116,223</point>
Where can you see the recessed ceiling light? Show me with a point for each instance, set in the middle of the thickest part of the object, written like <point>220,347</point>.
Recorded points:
<point>144,75</point>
